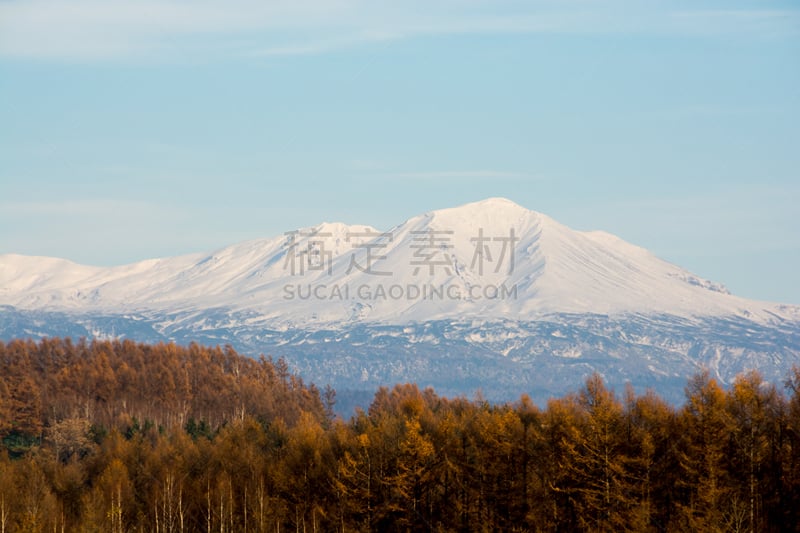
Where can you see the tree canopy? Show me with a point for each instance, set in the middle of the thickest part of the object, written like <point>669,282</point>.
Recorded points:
<point>120,436</point>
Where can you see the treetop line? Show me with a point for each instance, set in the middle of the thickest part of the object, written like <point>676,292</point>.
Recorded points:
<point>120,436</point>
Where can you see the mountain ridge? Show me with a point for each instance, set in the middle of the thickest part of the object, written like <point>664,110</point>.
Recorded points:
<point>357,308</point>
<point>553,268</point>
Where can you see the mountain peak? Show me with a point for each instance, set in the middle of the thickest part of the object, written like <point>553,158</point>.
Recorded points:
<point>524,303</point>
<point>492,243</point>
<point>493,204</point>
<point>488,213</point>
<point>496,201</point>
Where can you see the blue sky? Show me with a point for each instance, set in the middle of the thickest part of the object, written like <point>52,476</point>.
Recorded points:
<point>132,129</point>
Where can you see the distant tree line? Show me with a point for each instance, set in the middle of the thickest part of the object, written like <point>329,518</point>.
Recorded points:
<point>120,436</point>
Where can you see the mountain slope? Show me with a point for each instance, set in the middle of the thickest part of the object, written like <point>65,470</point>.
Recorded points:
<point>489,295</point>
<point>554,270</point>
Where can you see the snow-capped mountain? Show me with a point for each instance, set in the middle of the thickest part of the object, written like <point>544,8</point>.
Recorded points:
<point>487,295</point>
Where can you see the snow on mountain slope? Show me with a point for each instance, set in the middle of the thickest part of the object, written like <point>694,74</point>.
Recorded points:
<point>486,260</point>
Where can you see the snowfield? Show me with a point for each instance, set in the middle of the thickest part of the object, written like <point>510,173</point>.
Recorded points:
<point>555,270</point>
<point>488,295</point>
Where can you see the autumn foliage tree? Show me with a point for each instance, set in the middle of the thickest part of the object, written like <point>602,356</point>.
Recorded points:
<point>120,436</point>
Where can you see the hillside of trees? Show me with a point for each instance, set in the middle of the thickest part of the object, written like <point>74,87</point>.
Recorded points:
<point>119,436</point>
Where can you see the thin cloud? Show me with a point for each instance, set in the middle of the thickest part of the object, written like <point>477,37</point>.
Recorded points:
<point>316,47</point>
<point>84,208</point>
<point>460,175</point>
<point>92,29</point>
<point>112,29</point>
<point>761,21</point>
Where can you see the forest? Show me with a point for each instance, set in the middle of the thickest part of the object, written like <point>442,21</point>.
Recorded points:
<point>118,436</point>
